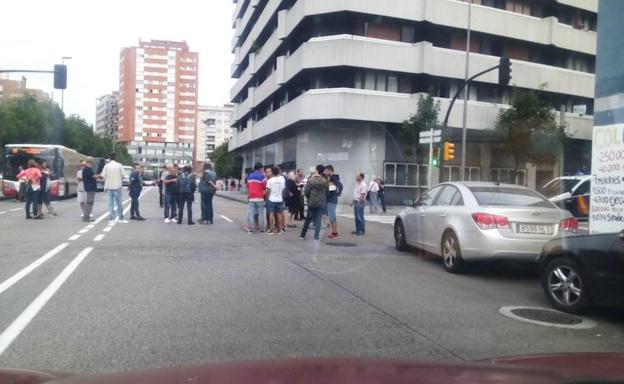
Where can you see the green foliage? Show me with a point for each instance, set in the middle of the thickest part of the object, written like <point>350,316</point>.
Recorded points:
<point>529,130</point>
<point>26,120</point>
<point>425,118</point>
<point>227,164</point>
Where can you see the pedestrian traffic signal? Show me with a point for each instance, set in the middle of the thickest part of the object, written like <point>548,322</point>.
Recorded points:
<point>60,76</point>
<point>504,71</point>
<point>449,151</point>
<point>435,158</point>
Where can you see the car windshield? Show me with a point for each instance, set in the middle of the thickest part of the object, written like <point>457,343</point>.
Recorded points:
<point>559,186</point>
<point>509,196</point>
<point>243,180</point>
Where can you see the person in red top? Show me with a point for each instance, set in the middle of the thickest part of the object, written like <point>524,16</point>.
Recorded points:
<point>33,180</point>
<point>256,191</point>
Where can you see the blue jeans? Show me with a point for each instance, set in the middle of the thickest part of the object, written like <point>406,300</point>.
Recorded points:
<point>358,213</point>
<point>188,200</point>
<point>171,205</point>
<point>32,198</point>
<point>314,214</point>
<point>114,199</point>
<point>206,206</point>
<point>256,208</point>
<point>331,212</point>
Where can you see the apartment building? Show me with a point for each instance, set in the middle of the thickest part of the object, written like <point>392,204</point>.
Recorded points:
<point>158,101</point>
<point>18,88</point>
<point>107,115</point>
<point>332,81</point>
<point>213,129</point>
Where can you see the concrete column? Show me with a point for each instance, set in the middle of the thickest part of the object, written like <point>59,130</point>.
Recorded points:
<point>486,161</point>
<point>531,175</point>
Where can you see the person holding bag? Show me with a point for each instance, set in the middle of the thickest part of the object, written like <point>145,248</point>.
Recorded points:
<point>33,188</point>
<point>207,190</point>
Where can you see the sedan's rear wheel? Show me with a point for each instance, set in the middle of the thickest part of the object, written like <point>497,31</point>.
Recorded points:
<point>451,253</point>
<point>565,285</point>
<point>399,236</point>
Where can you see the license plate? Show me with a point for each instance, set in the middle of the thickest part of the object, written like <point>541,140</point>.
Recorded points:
<point>540,229</point>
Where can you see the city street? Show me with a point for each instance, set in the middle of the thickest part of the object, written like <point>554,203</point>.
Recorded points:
<point>81,297</point>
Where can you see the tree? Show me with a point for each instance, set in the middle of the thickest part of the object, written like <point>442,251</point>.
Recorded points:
<point>227,164</point>
<point>529,130</point>
<point>425,118</point>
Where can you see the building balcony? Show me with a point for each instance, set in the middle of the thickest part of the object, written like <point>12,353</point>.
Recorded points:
<point>269,10</point>
<point>380,107</point>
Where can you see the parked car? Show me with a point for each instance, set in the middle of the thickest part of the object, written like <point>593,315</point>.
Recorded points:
<point>466,221</point>
<point>571,193</point>
<point>127,172</point>
<point>584,270</point>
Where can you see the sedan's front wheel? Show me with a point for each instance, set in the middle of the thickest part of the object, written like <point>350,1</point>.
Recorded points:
<point>399,236</point>
<point>451,253</point>
<point>565,285</point>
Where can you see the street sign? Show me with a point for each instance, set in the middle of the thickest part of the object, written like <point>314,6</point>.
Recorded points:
<point>437,132</point>
<point>427,140</point>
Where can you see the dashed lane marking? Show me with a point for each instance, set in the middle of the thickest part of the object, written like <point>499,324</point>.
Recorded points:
<point>227,219</point>
<point>15,209</point>
<point>74,237</point>
<point>21,322</point>
<point>107,229</point>
<point>99,237</point>
<point>34,265</point>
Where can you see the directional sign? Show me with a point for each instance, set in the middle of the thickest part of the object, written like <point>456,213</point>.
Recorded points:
<point>437,132</point>
<point>427,140</point>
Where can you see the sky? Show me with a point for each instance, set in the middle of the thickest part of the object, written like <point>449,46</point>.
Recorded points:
<point>36,34</point>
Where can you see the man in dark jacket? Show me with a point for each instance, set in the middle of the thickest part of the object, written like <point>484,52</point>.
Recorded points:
<point>334,190</point>
<point>134,190</point>
<point>90,186</point>
<point>316,193</point>
<point>187,187</point>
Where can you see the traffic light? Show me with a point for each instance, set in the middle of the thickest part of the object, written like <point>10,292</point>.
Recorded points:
<point>60,76</point>
<point>449,151</point>
<point>504,71</point>
<point>435,158</point>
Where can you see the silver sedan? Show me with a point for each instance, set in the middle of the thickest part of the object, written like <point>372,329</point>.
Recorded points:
<point>466,221</point>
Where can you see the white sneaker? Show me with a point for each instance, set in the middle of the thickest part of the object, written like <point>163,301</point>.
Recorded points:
<point>111,222</point>
<point>124,221</point>
<point>166,220</point>
<point>91,215</point>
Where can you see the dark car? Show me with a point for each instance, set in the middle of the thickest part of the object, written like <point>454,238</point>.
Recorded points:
<point>577,272</point>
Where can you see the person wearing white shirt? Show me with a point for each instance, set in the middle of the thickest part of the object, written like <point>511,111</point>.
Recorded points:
<point>373,197</point>
<point>358,202</point>
<point>276,185</point>
<point>113,177</point>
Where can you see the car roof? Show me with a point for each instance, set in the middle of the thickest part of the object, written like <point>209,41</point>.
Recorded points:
<point>575,177</point>
<point>469,184</point>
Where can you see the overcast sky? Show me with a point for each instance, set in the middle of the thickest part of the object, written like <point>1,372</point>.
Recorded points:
<point>37,33</point>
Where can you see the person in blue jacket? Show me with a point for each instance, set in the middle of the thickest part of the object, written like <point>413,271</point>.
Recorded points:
<point>134,190</point>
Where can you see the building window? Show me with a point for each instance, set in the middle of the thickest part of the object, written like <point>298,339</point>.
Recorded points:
<point>408,34</point>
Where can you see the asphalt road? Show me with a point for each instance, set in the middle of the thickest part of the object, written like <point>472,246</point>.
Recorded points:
<point>149,294</point>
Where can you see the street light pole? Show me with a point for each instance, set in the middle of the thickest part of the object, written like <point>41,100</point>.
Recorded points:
<point>466,92</point>
<point>62,90</point>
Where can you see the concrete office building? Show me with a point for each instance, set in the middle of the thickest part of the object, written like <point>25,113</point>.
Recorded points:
<point>213,129</point>
<point>158,101</point>
<point>331,81</point>
<point>107,115</point>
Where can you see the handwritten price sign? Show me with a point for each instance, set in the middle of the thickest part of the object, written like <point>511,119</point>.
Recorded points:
<point>606,213</point>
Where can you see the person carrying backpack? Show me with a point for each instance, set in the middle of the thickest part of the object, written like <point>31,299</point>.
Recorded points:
<point>187,187</point>
<point>207,189</point>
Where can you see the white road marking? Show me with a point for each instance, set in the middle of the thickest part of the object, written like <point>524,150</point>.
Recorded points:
<point>90,226</point>
<point>99,237</point>
<point>74,237</point>
<point>15,209</point>
<point>34,265</point>
<point>2,212</point>
<point>84,230</point>
<point>18,325</point>
<point>227,219</point>
<point>107,229</point>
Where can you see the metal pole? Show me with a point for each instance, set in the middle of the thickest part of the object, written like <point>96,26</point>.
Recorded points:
<point>465,117</point>
<point>430,167</point>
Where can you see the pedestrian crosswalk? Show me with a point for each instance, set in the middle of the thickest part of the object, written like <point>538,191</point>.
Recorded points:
<point>383,219</point>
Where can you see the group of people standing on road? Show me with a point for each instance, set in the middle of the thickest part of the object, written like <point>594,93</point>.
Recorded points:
<point>270,192</point>
<point>36,188</point>
<point>177,187</point>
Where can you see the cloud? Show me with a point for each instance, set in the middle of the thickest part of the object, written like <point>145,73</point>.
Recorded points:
<point>37,33</point>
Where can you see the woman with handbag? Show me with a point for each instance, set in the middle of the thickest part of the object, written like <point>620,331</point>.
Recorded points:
<point>33,188</point>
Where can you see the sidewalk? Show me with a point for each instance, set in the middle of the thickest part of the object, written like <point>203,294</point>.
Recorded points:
<point>343,210</point>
